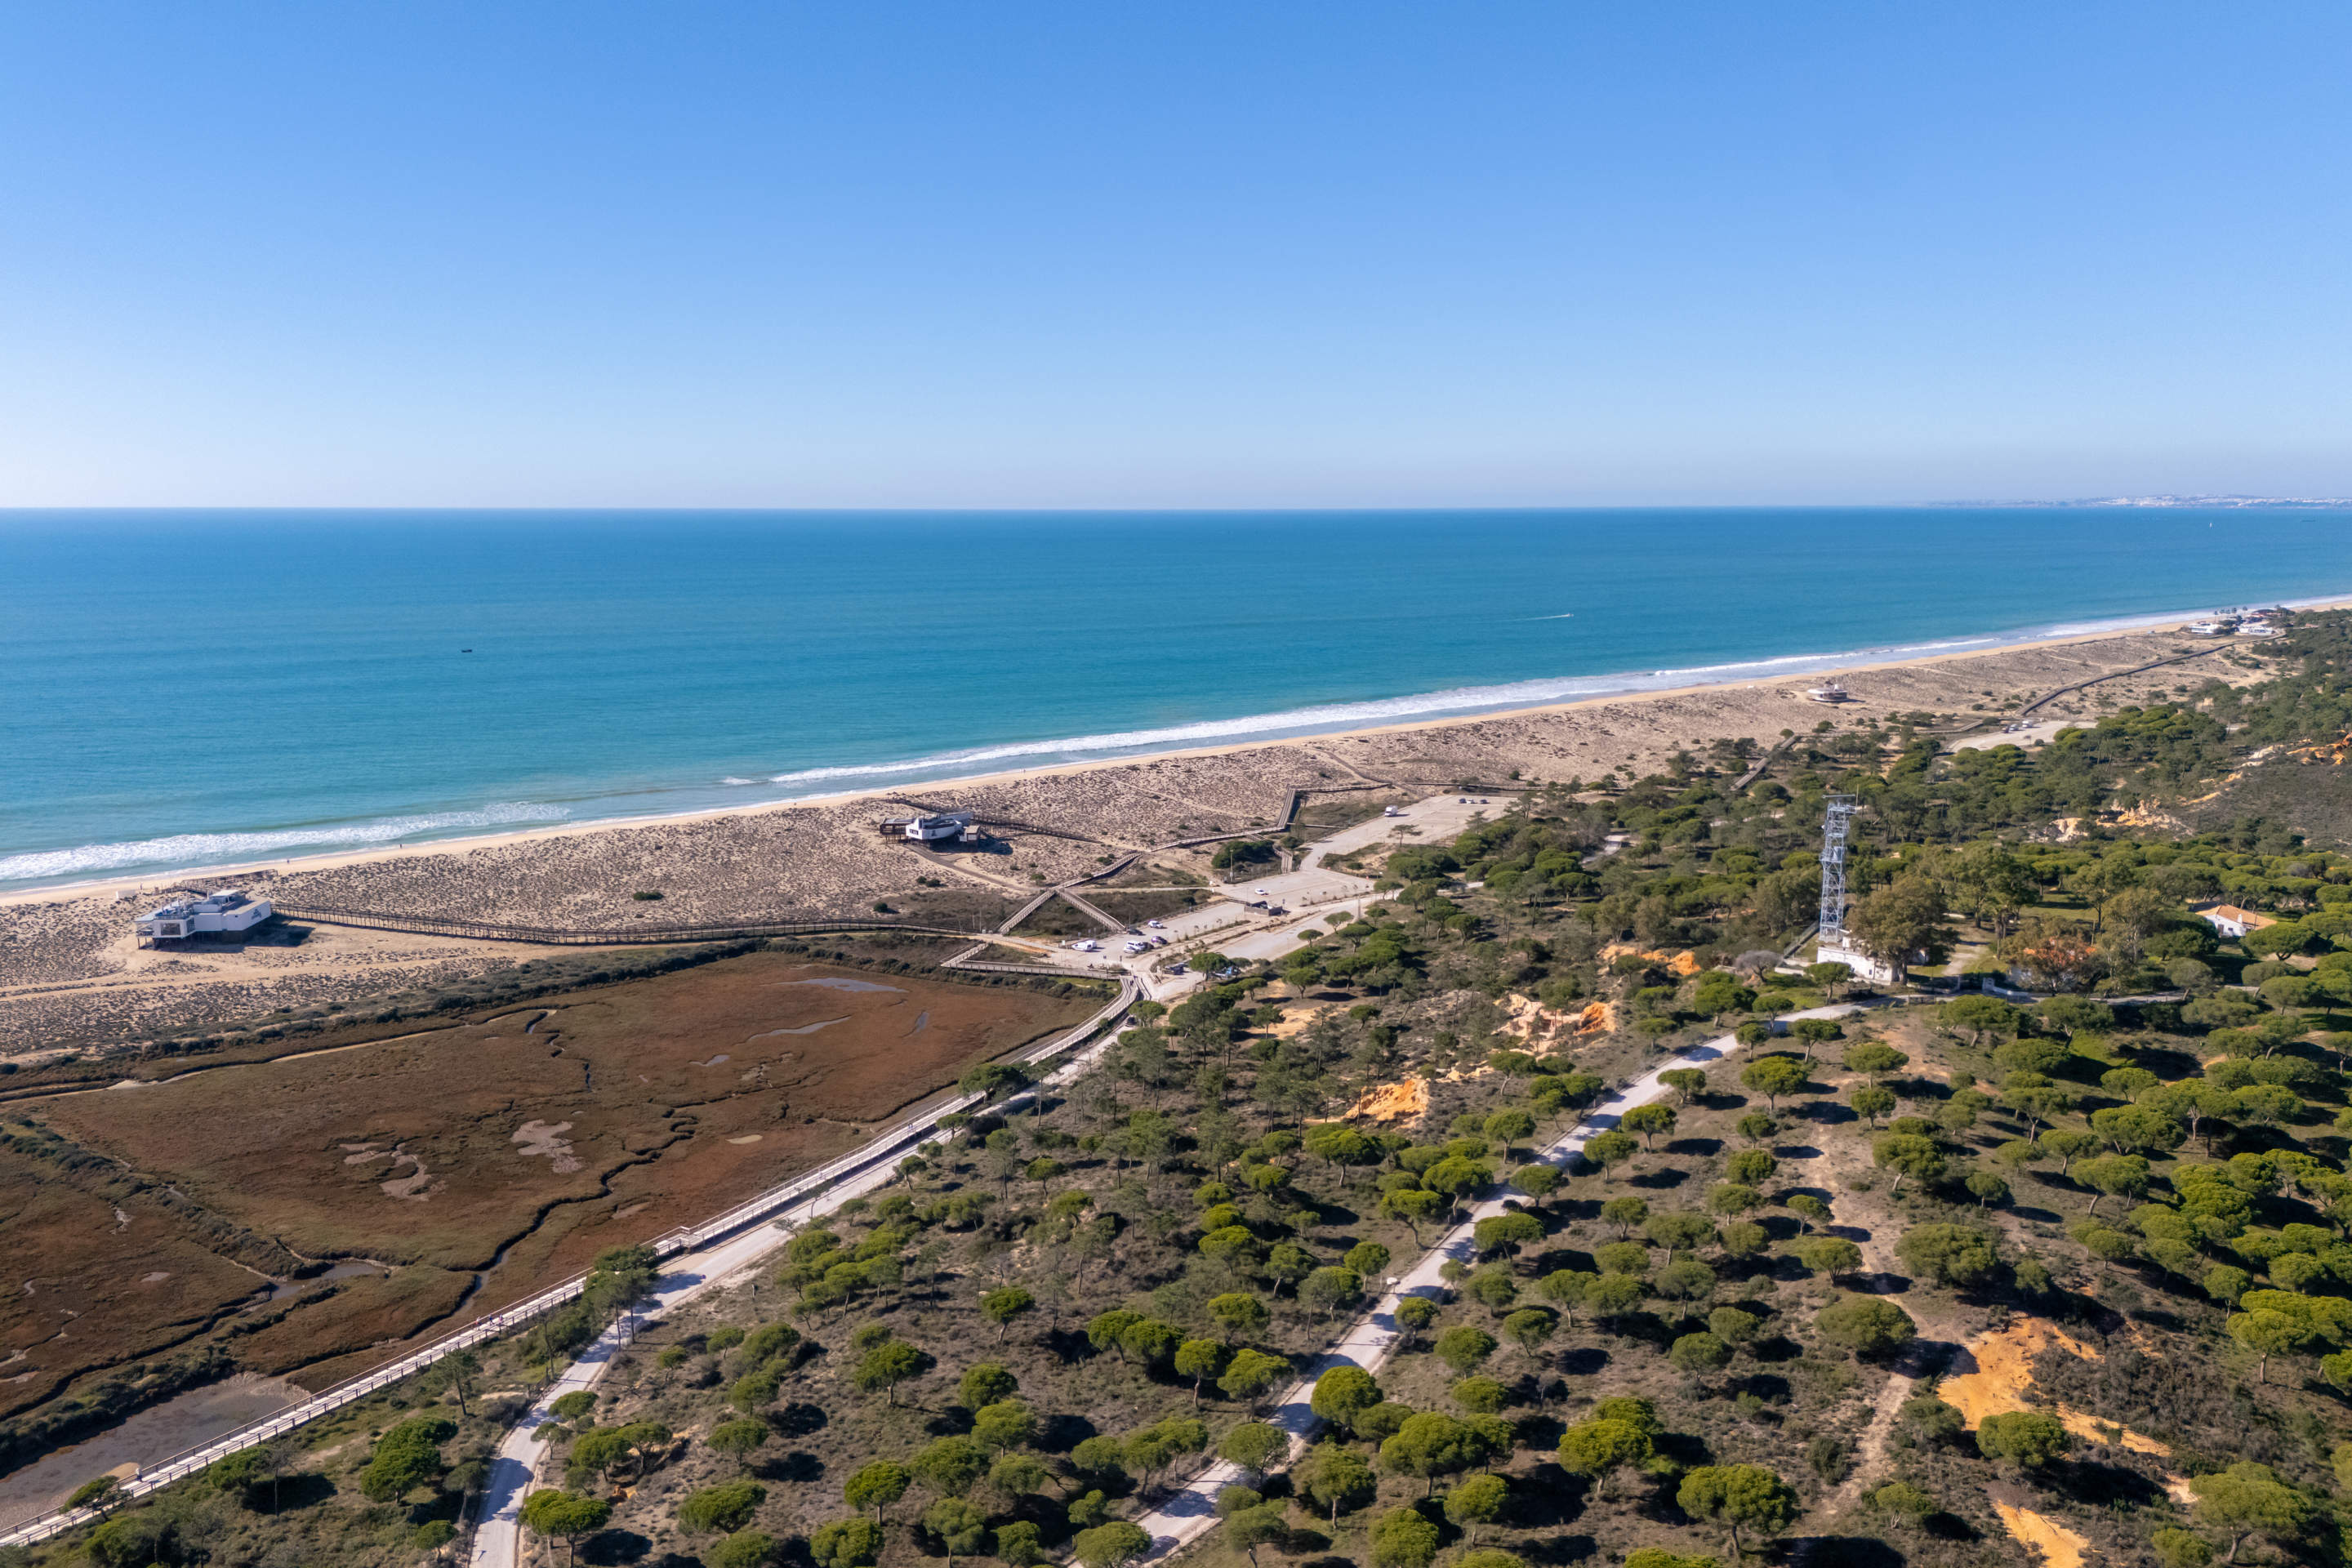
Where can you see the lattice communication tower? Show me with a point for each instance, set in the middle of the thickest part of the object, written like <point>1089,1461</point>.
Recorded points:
<point>1840,808</point>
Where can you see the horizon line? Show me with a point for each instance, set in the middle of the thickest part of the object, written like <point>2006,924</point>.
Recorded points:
<point>2141,502</point>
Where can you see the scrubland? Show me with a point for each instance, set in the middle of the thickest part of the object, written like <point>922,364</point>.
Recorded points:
<point>1922,1284</point>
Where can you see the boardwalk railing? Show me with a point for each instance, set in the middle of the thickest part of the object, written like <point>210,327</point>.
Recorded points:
<point>1047,970</point>
<point>2118,674</point>
<point>642,935</point>
<point>1297,798</point>
<point>599,936</point>
<point>684,1239</point>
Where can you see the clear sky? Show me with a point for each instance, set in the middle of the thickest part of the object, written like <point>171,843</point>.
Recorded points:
<point>769,253</point>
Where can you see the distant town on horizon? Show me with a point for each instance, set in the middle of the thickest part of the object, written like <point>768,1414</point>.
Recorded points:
<point>2166,500</point>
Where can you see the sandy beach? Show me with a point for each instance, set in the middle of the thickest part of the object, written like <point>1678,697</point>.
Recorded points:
<point>70,973</point>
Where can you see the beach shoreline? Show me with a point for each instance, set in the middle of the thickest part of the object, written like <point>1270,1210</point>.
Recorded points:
<point>72,973</point>
<point>225,871</point>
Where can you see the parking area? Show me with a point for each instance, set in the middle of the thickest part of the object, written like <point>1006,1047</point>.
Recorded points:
<point>1430,821</point>
<point>1299,889</point>
<point>1300,892</point>
<point>1312,898</point>
<point>1278,942</point>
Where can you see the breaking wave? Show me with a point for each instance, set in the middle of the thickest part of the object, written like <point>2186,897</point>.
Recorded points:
<point>1457,700</point>
<point>178,852</point>
<point>223,848</point>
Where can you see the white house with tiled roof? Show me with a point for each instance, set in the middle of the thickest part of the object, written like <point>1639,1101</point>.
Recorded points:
<point>2232,921</point>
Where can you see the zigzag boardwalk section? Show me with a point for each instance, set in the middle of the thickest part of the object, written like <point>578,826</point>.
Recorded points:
<point>1031,908</point>
<point>1070,897</point>
<point>1051,972</point>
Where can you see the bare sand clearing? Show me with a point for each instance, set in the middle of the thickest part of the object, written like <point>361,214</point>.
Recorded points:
<point>2059,1547</point>
<point>1996,1369</point>
<point>191,1420</point>
<point>69,971</point>
<point>1406,1101</point>
<point>1993,1373</point>
<point>1541,1028</point>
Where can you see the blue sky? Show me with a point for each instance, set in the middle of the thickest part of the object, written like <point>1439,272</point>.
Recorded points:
<point>916,254</point>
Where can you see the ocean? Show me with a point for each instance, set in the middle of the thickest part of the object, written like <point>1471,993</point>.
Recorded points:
<point>180,689</point>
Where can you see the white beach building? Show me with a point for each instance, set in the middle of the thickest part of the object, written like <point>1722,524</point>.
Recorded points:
<point>228,911</point>
<point>934,828</point>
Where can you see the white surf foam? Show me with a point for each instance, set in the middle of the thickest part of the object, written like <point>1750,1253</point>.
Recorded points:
<point>224,849</point>
<point>198,849</point>
<point>1382,711</point>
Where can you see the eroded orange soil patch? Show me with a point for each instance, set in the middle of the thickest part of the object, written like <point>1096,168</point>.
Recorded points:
<point>1529,1020</point>
<point>2001,1373</point>
<point>1683,964</point>
<point>1406,1101</point>
<point>2059,1546</point>
<point>2000,1367</point>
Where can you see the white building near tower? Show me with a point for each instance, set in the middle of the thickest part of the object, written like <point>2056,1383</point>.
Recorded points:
<point>1836,945</point>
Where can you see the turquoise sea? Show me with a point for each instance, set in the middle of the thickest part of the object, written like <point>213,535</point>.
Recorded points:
<point>194,689</point>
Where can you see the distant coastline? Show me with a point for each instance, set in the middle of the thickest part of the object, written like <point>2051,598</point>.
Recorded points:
<point>92,868</point>
<point>523,823</point>
<point>2197,503</point>
<point>412,680</point>
<point>75,974</point>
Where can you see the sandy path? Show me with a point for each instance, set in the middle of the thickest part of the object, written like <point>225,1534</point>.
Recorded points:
<point>1994,1372</point>
<point>2059,1546</point>
<point>1870,1455</point>
<point>156,1433</point>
